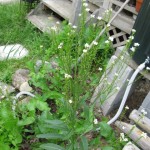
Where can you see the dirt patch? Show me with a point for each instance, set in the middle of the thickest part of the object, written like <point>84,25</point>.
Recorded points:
<point>140,92</point>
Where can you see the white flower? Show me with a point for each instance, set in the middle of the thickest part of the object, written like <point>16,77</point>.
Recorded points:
<point>105,79</point>
<point>143,112</point>
<point>70,24</point>
<point>131,37</point>
<point>95,121</point>
<point>60,45</point>
<point>108,25</point>
<point>100,69</point>
<point>136,44</point>
<point>133,30</point>
<point>58,22</point>
<point>85,4</point>
<point>127,41</point>
<point>116,74</point>
<point>92,16</point>
<point>41,46</point>
<point>86,45</point>
<point>87,9</point>
<point>122,57</point>
<point>147,68</point>
<point>111,38</point>
<point>117,88</point>
<point>79,15</point>
<point>144,135</point>
<point>54,28</point>
<point>132,49</point>
<point>107,11</point>
<point>123,127</point>
<point>85,51</point>
<point>107,42</point>
<point>99,18</point>
<point>70,101</point>
<point>74,27</point>
<point>95,43</point>
<point>122,137</point>
<point>126,107</point>
<point>67,76</point>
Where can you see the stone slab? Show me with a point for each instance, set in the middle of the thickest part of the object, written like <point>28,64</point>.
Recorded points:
<point>15,51</point>
<point>146,105</point>
<point>112,85</point>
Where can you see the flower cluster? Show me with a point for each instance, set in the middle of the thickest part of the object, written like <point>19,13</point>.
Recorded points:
<point>143,112</point>
<point>110,39</point>
<point>67,76</point>
<point>60,45</point>
<point>54,28</point>
<point>122,137</point>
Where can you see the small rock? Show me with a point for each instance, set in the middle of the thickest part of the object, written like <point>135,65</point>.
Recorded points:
<point>52,64</point>
<point>21,76</point>
<point>15,51</point>
<point>25,87</point>
<point>5,89</point>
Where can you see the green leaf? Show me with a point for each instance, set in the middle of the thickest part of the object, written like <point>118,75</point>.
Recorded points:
<point>106,130</point>
<point>84,143</point>
<point>56,124</point>
<point>107,148</point>
<point>51,136</point>
<point>51,146</point>
<point>42,105</point>
<point>27,121</point>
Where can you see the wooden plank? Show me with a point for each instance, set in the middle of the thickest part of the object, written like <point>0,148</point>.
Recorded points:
<point>61,7</point>
<point>107,4</point>
<point>119,44</point>
<point>42,20</point>
<point>140,120</point>
<point>76,10</point>
<point>131,62</point>
<point>135,134</point>
<point>96,2</point>
<point>124,23</point>
<point>118,35</point>
<point>127,7</point>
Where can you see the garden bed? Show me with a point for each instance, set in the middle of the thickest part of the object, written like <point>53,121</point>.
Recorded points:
<point>64,69</point>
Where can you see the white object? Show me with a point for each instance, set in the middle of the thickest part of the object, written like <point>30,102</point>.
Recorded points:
<point>15,51</point>
<point>140,68</point>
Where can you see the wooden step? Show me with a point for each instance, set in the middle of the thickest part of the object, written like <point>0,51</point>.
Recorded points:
<point>42,18</point>
<point>61,7</point>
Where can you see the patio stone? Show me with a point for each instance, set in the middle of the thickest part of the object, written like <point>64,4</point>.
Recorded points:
<point>15,51</point>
